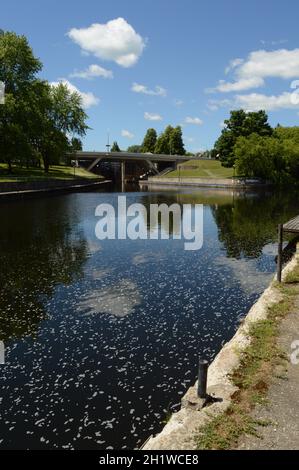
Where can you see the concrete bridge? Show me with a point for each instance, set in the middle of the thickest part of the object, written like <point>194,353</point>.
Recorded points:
<point>154,162</point>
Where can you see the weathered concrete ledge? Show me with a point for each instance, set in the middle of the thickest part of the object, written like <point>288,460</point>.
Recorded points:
<point>180,431</point>
<point>238,183</point>
<point>40,188</point>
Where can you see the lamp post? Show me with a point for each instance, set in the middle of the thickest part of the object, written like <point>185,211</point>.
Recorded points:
<point>108,143</point>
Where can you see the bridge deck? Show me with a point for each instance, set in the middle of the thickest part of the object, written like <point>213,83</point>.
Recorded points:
<point>130,156</point>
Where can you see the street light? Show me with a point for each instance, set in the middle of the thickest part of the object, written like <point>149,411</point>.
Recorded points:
<point>108,143</point>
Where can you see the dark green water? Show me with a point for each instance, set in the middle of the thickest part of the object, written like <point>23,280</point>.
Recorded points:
<point>102,337</point>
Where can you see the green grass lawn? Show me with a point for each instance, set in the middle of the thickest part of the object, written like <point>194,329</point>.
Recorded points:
<point>57,172</point>
<point>201,169</point>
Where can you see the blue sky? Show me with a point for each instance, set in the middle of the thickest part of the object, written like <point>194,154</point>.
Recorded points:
<point>159,62</point>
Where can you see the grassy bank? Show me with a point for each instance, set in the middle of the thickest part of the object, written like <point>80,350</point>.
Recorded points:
<point>56,172</point>
<point>201,169</point>
<point>260,362</point>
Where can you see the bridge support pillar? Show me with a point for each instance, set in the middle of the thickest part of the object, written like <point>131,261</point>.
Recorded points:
<point>123,174</point>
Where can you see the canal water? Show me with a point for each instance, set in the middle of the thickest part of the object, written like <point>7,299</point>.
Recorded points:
<point>102,338</point>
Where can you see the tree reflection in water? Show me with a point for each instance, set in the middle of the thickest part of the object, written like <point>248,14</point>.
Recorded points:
<point>38,252</point>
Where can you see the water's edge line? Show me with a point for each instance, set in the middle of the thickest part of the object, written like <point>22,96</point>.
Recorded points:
<point>179,433</point>
<point>59,189</point>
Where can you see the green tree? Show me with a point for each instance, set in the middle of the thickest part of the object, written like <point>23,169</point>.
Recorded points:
<point>61,114</point>
<point>240,124</point>
<point>18,66</point>
<point>289,138</point>
<point>176,144</point>
<point>134,149</point>
<point>18,69</point>
<point>36,120</point>
<point>258,156</point>
<point>76,145</point>
<point>115,147</point>
<point>163,142</point>
<point>149,141</point>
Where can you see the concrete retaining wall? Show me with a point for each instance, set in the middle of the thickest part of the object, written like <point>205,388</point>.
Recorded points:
<point>45,184</point>
<point>48,188</point>
<point>179,433</point>
<point>210,182</point>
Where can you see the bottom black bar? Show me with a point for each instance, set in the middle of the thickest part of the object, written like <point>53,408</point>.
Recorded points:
<point>136,459</point>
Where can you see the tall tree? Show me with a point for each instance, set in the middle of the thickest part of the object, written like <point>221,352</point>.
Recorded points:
<point>115,147</point>
<point>240,124</point>
<point>260,156</point>
<point>163,142</point>
<point>18,66</point>
<point>18,69</point>
<point>176,144</point>
<point>36,119</point>
<point>64,116</point>
<point>149,141</point>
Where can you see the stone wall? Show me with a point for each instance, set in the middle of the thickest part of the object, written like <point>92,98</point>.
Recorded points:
<point>45,184</point>
<point>210,182</point>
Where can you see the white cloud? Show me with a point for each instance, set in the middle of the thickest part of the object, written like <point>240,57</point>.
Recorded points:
<point>193,120</point>
<point>259,65</point>
<point>93,71</point>
<point>178,103</point>
<point>127,134</point>
<point>88,99</point>
<point>274,43</point>
<point>240,85</point>
<point>282,63</point>
<point>213,105</point>
<point>152,117</point>
<point>158,90</point>
<point>233,64</point>
<point>257,101</point>
<point>115,40</point>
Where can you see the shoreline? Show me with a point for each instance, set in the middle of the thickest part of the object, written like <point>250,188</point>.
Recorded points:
<point>50,188</point>
<point>181,430</point>
<point>228,183</point>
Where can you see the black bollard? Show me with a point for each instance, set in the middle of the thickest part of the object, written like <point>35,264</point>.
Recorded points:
<point>202,378</point>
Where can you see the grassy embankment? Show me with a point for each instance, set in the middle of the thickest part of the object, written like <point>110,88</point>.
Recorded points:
<point>261,361</point>
<point>201,169</point>
<point>56,172</point>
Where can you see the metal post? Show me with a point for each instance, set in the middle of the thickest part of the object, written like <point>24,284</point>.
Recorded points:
<point>202,378</point>
<point>279,257</point>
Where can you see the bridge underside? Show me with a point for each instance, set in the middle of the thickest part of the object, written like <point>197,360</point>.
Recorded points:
<point>126,171</point>
<point>127,167</point>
